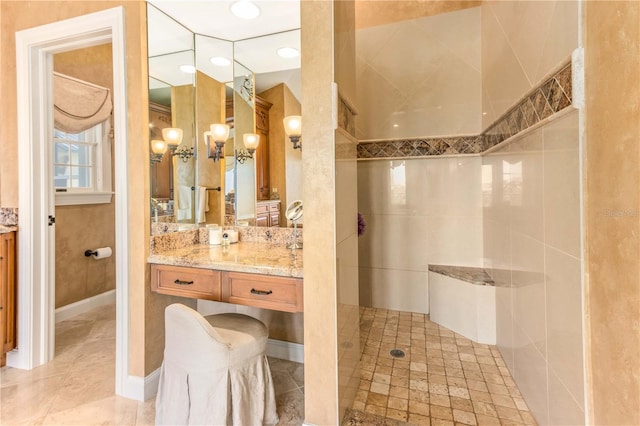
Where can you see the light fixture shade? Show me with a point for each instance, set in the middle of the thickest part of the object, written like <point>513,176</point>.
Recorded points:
<point>293,125</point>
<point>172,135</point>
<point>251,141</point>
<point>158,147</point>
<point>219,132</point>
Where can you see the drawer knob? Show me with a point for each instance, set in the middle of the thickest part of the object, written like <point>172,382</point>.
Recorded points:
<point>180,282</point>
<point>261,292</point>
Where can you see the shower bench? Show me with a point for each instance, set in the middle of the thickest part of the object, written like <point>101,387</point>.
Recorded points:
<point>463,299</point>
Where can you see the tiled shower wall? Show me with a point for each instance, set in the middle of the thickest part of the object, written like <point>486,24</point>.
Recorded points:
<point>531,214</point>
<point>529,197</point>
<point>418,211</point>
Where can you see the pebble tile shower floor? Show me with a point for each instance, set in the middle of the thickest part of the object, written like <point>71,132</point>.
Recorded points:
<point>444,378</point>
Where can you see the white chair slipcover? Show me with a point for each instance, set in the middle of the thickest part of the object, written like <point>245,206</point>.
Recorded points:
<point>215,371</point>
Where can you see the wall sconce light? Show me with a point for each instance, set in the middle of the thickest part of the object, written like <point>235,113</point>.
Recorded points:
<point>219,133</point>
<point>158,148</point>
<point>251,141</point>
<point>173,138</point>
<point>293,129</point>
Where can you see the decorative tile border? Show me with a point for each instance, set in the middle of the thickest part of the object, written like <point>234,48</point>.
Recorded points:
<point>346,116</point>
<point>421,147</point>
<point>550,97</point>
<point>8,216</point>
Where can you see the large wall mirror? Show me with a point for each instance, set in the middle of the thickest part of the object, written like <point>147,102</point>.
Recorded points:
<point>239,78</point>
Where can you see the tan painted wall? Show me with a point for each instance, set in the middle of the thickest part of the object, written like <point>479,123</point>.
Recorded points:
<point>612,202</point>
<point>79,228</point>
<point>27,14</point>
<point>318,160</point>
<point>210,107</point>
<point>370,13</point>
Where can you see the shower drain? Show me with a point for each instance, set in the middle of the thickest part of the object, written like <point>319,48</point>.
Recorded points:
<point>397,353</point>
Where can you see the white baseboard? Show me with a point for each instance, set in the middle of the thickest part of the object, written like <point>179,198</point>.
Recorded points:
<point>151,383</point>
<point>133,388</point>
<point>82,306</point>
<point>285,350</point>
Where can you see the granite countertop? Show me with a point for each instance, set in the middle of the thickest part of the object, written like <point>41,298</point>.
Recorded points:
<point>469,274</point>
<point>256,258</point>
<point>6,229</point>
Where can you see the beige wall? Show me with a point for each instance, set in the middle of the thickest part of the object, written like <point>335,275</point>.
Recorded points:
<point>318,161</point>
<point>27,14</point>
<point>522,42</point>
<point>612,202</point>
<point>79,228</point>
<point>210,107</point>
<point>420,78</point>
<point>370,13</point>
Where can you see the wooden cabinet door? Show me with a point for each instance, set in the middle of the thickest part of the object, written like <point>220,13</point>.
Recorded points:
<point>263,189</point>
<point>7,293</point>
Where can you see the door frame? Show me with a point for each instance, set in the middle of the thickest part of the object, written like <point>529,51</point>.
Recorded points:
<point>36,244</point>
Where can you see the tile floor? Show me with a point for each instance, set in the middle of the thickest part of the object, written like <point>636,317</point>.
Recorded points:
<point>77,387</point>
<point>443,379</point>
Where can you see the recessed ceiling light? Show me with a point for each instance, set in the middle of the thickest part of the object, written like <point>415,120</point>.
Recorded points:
<point>188,69</point>
<point>484,113</point>
<point>288,52</point>
<point>396,125</point>
<point>245,9</point>
<point>220,61</point>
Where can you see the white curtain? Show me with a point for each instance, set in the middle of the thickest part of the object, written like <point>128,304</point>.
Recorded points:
<point>79,105</point>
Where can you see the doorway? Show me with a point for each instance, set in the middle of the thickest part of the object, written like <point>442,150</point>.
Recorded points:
<point>35,48</point>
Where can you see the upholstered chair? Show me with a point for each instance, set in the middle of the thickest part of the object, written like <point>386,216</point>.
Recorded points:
<point>215,371</point>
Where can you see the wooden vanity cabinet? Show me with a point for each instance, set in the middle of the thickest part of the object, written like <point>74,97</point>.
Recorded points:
<point>268,213</point>
<point>186,282</point>
<point>7,293</point>
<point>261,291</point>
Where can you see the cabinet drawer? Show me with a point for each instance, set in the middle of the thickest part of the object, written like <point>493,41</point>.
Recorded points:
<point>263,291</point>
<point>262,208</point>
<point>274,207</point>
<point>186,282</point>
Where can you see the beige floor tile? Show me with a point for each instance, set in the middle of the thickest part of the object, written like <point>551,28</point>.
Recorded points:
<point>146,414</point>
<point>28,401</point>
<point>113,410</point>
<point>394,414</point>
<point>419,408</point>
<point>418,419</point>
<point>464,417</point>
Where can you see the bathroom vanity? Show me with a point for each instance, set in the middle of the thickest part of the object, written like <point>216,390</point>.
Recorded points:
<point>262,275</point>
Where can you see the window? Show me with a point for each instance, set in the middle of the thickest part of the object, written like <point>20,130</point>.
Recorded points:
<point>82,166</point>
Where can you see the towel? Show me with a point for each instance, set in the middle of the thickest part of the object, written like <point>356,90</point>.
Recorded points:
<point>183,205</point>
<point>203,204</point>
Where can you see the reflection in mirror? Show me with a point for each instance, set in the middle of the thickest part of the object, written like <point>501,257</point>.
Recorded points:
<point>171,105</point>
<point>214,73</point>
<point>251,85</point>
<point>278,167</point>
<point>243,123</point>
<point>294,214</point>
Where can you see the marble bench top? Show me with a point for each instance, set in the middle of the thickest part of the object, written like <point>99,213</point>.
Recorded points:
<point>256,258</point>
<point>6,229</point>
<point>469,274</point>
